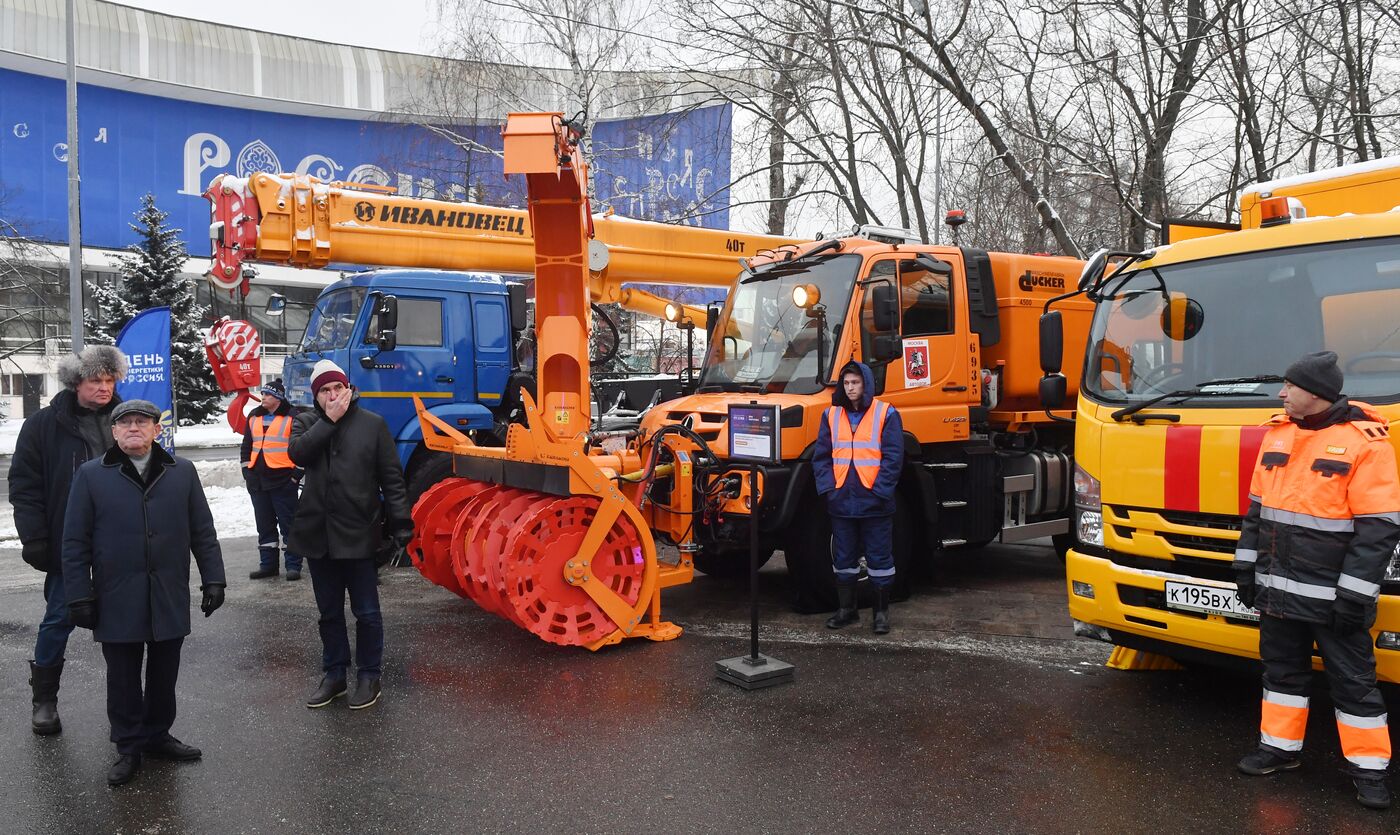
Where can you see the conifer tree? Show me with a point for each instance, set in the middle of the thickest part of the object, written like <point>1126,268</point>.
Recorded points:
<point>150,277</point>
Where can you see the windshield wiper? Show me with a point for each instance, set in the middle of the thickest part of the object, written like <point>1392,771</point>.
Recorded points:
<point>1196,391</point>
<point>774,269</point>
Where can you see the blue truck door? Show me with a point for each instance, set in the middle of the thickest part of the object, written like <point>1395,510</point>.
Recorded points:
<point>420,364</point>
<point>493,348</point>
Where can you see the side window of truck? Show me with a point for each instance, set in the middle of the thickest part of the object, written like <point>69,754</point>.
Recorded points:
<point>490,317</point>
<point>926,298</point>
<point>420,322</point>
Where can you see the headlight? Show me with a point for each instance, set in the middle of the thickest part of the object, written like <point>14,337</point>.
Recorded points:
<point>1088,508</point>
<point>1392,572</point>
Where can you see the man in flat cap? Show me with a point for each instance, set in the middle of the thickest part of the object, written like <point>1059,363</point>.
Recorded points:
<point>54,441</point>
<point>1322,524</point>
<point>134,517</point>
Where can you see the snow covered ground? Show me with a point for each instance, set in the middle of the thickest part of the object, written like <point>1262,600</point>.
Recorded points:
<point>223,487</point>
<point>186,437</point>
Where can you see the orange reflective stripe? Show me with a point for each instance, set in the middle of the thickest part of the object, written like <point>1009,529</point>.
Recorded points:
<point>1283,720</point>
<point>859,449</point>
<point>272,442</point>
<point>1365,740</point>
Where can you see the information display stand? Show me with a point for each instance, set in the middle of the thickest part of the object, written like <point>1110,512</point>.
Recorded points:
<point>755,440</point>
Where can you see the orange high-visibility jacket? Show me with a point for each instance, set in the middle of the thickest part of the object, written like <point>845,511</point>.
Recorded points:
<point>858,449</point>
<point>270,441</point>
<point>1324,515</point>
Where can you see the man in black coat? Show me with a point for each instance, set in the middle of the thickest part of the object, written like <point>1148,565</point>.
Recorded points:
<point>52,444</point>
<point>272,479</point>
<point>134,517</point>
<point>352,478</point>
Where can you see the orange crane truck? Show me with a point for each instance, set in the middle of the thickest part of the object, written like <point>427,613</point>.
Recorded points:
<point>1180,381</point>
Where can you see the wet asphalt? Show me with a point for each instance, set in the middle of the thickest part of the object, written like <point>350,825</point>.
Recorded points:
<point>979,713</point>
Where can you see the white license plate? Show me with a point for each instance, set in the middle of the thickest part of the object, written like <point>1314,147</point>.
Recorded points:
<point>1213,600</point>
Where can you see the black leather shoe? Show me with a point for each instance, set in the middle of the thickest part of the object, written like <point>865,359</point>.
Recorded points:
<point>263,573</point>
<point>1372,792</point>
<point>332,688</point>
<point>173,749</point>
<point>293,574</point>
<point>366,692</point>
<point>124,769</point>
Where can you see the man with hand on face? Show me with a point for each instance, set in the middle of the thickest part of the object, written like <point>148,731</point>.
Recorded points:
<point>134,517</point>
<point>352,478</point>
<point>1322,524</point>
<point>76,426</point>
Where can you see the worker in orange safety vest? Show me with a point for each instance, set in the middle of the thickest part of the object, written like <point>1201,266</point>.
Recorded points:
<point>1322,525</point>
<point>272,479</point>
<point>857,461</point>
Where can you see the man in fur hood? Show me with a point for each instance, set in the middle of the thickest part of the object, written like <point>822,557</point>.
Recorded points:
<point>75,427</point>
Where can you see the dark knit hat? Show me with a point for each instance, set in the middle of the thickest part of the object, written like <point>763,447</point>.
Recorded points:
<point>1317,373</point>
<point>275,388</point>
<point>324,372</point>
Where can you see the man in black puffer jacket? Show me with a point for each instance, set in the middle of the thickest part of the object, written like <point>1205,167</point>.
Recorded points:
<point>350,463</point>
<point>75,427</point>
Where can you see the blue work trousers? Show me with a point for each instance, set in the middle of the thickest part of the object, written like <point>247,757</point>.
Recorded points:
<point>331,580</point>
<point>54,629</point>
<point>872,536</point>
<point>274,509</point>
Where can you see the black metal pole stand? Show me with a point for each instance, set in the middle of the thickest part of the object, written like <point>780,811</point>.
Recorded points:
<point>754,671</point>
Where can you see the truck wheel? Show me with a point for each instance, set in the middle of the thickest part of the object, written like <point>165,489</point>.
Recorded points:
<point>729,563</point>
<point>426,469</point>
<point>809,562</point>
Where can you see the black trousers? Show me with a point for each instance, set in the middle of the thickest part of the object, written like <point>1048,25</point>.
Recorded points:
<point>141,717</point>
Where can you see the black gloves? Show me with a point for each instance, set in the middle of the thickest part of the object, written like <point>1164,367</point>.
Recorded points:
<point>36,553</point>
<point>1245,589</point>
<point>83,613</point>
<point>1349,616</point>
<point>213,598</point>
<point>398,555</point>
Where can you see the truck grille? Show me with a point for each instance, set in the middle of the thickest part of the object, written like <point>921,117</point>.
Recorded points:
<point>1171,535</point>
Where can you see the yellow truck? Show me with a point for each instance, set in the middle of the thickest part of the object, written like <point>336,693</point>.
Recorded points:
<point>1180,376</point>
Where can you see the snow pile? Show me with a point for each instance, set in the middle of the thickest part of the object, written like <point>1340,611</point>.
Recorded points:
<point>203,436</point>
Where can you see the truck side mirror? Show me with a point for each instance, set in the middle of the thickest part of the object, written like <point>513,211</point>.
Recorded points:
<point>885,308</point>
<point>712,312</point>
<point>886,347</point>
<point>387,340</point>
<point>1093,269</point>
<point>515,294</point>
<point>1052,342</point>
<point>387,313</point>
<point>1053,390</point>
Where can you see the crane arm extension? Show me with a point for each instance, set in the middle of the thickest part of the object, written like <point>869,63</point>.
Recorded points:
<point>299,220</point>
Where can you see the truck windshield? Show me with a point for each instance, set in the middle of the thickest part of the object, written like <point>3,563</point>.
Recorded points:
<point>333,320</point>
<point>1174,327</point>
<point>765,343</point>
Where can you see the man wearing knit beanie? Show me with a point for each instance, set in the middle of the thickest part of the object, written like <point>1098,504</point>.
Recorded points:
<point>1322,524</point>
<point>354,493</point>
<point>76,426</point>
<point>272,479</point>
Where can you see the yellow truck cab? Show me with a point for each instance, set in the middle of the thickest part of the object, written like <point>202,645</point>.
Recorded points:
<point>1180,378</point>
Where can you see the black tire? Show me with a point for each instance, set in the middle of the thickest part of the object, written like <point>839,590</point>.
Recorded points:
<point>426,468</point>
<point>728,563</point>
<point>809,561</point>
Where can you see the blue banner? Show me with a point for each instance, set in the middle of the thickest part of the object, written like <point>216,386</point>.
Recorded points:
<point>666,167</point>
<point>146,342</point>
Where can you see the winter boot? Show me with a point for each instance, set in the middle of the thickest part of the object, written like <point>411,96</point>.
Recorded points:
<point>44,680</point>
<point>881,610</point>
<point>332,688</point>
<point>366,692</point>
<point>1264,761</point>
<point>846,611</point>
<point>1371,790</point>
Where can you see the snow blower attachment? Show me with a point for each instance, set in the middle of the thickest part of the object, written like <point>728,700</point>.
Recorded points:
<point>548,532</point>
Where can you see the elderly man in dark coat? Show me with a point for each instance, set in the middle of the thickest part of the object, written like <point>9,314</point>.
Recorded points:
<point>52,444</point>
<point>134,517</point>
<point>350,463</point>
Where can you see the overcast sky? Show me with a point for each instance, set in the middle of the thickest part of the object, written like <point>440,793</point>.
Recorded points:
<point>403,25</point>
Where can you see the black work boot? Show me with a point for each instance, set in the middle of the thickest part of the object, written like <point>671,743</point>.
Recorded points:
<point>1264,761</point>
<point>1371,790</point>
<point>846,611</point>
<point>881,611</point>
<point>263,573</point>
<point>366,692</point>
<point>332,688</point>
<point>44,681</point>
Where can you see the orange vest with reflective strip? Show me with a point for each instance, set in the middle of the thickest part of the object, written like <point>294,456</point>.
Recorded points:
<point>271,441</point>
<point>859,449</point>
